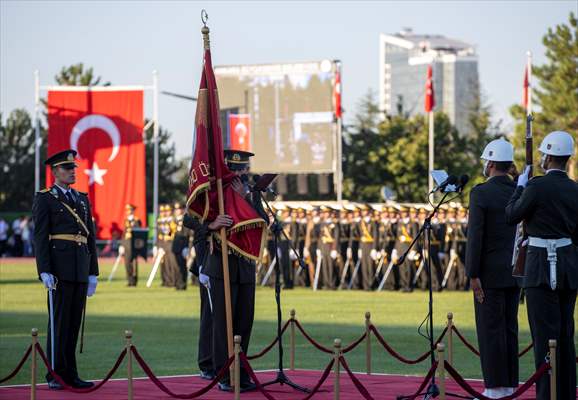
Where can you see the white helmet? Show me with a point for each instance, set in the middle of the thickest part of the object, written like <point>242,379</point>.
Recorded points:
<point>557,143</point>
<point>498,150</point>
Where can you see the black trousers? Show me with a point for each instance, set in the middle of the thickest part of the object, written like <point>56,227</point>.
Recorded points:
<point>551,316</point>
<point>182,267</point>
<point>243,310</point>
<point>367,269</point>
<point>497,329</point>
<point>285,263</point>
<point>68,302</point>
<point>437,272</point>
<point>205,353</point>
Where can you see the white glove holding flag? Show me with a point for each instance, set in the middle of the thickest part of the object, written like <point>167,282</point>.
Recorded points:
<point>333,254</point>
<point>524,177</point>
<point>48,280</point>
<point>373,254</point>
<point>92,282</point>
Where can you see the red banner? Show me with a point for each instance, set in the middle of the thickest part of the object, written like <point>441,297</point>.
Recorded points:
<point>240,131</point>
<point>105,127</point>
<point>247,235</point>
<point>429,91</point>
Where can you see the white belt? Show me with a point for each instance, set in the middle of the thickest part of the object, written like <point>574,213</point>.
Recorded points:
<point>550,245</point>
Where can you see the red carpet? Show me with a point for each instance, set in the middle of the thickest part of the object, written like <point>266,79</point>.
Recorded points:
<point>379,386</point>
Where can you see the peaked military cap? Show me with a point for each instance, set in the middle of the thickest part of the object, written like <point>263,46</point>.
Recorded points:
<point>65,158</point>
<point>237,159</point>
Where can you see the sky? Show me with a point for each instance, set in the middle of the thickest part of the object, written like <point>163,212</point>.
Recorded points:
<point>124,41</point>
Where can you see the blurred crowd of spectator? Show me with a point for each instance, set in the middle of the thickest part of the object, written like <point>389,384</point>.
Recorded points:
<point>17,237</point>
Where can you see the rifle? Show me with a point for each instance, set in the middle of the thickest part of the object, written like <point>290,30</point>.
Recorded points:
<point>521,240</point>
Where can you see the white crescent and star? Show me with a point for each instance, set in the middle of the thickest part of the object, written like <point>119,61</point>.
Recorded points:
<point>95,174</point>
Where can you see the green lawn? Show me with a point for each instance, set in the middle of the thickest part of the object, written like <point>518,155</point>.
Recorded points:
<point>165,324</point>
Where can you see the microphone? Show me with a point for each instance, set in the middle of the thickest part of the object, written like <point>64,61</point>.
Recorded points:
<point>450,180</point>
<point>464,179</point>
<point>268,189</point>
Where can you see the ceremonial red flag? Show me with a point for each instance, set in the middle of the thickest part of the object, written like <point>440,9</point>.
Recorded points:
<point>337,95</point>
<point>105,127</point>
<point>429,91</point>
<point>247,235</point>
<point>240,131</point>
<point>525,96</point>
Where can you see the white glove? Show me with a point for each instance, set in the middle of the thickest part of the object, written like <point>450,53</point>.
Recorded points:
<point>441,255</point>
<point>292,255</point>
<point>359,253</point>
<point>48,280</point>
<point>155,251</point>
<point>523,178</point>
<point>204,279</point>
<point>185,252</point>
<point>412,255</point>
<point>92,282</point>
<point>373,254</point>
<point>333,254</point>
<point>349,252</point>
<point>318,252</point>
<point>394,254</point>
<point>121,250</point>
<point>306,253</point>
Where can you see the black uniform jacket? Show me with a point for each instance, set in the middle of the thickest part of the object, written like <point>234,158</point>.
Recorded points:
<point>549,207</point>
<point>241,270</point>
<point>67,260</point>
<point>490,239</point>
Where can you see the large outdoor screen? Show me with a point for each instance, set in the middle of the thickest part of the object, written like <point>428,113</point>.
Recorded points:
<point>283,113</point>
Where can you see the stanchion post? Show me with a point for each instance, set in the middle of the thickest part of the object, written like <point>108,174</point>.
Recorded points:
<point>450,338</point>
<point>441,372</point>
<point>128,337</point>
<point>33,365</point>
<point>336,355</point>
<point>367,343</point>
<point>292,341</point>
<point>553,371</point>
<point>237,380</point>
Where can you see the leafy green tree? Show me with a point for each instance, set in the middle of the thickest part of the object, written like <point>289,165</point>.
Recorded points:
<point>77,75</point>
<point>556,95</point>
<point>173,173</point>
<point>17,138</point>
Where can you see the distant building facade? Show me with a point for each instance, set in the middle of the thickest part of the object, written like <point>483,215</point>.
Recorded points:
<point>403,61</point>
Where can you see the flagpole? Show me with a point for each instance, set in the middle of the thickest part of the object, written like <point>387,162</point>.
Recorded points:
<point>431,151</point>
<point>339,140</point>
<point>224,251</point>
<point>155,154</point>
<point>36,131</point>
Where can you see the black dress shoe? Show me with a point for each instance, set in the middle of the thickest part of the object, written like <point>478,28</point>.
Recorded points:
<point>225,386</point>
<point>53,385</point>
<point>80,384</point>
<point>247,386</point>
<point>207,375</point>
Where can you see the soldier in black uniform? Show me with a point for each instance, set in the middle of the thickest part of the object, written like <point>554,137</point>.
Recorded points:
<point>367,246</point>
<point>328,246</point>
<point>130,263</point>
<point>437,247</point>
<point>180,240</point>
<point>548,206</point>
<point>242,277</point>
<point>405,234</point>
<point>461,240</point>
<point>66,260</point>
<point>285,252</point>
<point>489,251</point>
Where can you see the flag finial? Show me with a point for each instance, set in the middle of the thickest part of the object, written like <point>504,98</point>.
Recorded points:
<point>205,30</point>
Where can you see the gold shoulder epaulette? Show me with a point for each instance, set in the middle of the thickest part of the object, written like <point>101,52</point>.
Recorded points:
<point>44,190</point>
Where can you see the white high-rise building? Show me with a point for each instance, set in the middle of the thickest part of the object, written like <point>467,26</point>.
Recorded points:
<point>403,61</point>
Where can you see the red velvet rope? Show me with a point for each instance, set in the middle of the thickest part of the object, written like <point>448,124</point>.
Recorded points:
<point>77,390</point>
<point>148,371</point>
<point>315,390</point>
<point>424,383</point>
<point>527,349</point>
<point>521,389</point>
<point>19,366</point>
<point>358,385</point>
<point>324,349</point>
<point>268,348</point>
<point>465,342</point>
<point>395,354</point>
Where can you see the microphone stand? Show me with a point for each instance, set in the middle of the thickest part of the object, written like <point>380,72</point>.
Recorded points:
<point>432,390</point>
<point>281,378</point>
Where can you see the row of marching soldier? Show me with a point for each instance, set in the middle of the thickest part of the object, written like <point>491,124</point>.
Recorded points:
<point>356,246</point>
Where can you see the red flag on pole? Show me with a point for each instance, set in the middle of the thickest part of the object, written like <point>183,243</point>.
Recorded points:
<point>429,91</point>
<point>337,94</point>
<point>247,235</point>
<point>105,127</point>
<point>525,96</point>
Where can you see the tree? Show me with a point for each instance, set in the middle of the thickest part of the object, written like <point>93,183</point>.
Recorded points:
<point>17,138</point>
<point>173,174</point>
<point>556,95</point>
<point>76,75</point>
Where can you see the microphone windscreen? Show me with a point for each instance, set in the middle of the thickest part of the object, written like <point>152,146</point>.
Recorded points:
<point>452,180</point>
<point>464,179</point>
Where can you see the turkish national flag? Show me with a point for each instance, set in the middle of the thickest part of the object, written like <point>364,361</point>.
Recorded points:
<point>240,131</point>
<point>247,235</point>
<point>429,91</point>
<point>337,95</point>
<point>525,97</point>
<point>106,128</point>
